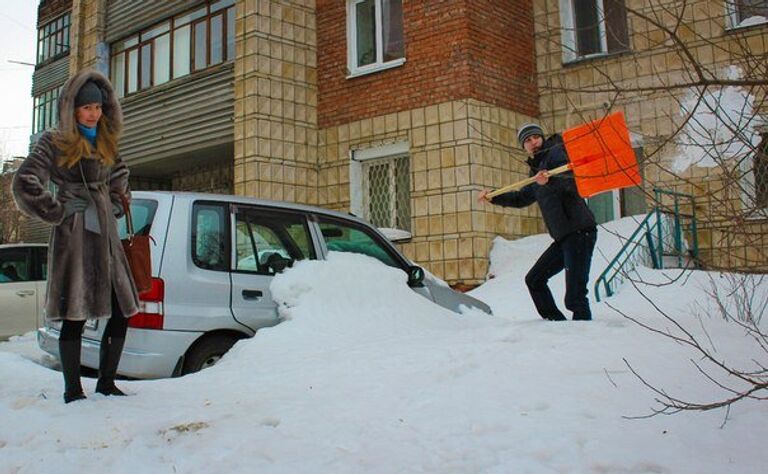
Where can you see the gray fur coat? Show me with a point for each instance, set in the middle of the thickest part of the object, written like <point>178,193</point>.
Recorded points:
<point>84,267</point>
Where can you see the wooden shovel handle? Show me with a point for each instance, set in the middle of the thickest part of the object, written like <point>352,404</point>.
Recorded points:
<point>527,181</point>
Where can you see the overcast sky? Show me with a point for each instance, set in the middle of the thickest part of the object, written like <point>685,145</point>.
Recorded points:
<point>17,43</point>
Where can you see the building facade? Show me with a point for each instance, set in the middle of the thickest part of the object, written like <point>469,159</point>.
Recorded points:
<point>691,80</point>
<point>399,111</point>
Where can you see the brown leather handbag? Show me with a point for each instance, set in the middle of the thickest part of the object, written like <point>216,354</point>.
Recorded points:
<point>137,252</point>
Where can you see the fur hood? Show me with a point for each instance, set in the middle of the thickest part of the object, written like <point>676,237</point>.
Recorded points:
<point>110,107</point>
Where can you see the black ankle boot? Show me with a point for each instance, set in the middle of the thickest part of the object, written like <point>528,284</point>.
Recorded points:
<point>109,357</point>
<point>73,397</point>
<point>554,317</point>
<point>69,354</point>
<point>108,388</point>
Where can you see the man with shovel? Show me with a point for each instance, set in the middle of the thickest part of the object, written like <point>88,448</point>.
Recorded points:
<point>568,219</point>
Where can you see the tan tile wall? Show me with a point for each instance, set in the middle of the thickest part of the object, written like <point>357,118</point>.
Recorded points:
<point>457,148</point>
<point>725,240</point>
<point>276,100</point>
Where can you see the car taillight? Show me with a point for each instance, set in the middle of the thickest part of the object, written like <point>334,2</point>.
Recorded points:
<point>150,315</point>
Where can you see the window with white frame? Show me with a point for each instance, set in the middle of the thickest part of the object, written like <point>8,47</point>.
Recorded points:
<point>53,38</point>
<point>375,38</point>
<point>380,184</point>
<point>743,13</point>
<point>189,42</point>
<point>593,28</point>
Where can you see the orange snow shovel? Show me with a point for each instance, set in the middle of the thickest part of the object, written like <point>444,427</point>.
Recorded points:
<point>600,155</point>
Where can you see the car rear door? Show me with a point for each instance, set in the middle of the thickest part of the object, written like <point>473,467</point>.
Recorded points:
<point>265,241</point>
<point>18,292</point>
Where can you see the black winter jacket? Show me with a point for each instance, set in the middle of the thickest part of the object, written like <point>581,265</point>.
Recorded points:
<point>564,211</point>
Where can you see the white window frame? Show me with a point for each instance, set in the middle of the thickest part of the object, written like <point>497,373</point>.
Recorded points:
<point>733,17</point>
<point>568,30</point>
<point>357,159</point>
<point>379,64</point>
<point>568,27</point>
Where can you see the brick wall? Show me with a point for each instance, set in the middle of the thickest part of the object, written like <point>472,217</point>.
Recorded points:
<point>502,54</point>
<point>454,49</point>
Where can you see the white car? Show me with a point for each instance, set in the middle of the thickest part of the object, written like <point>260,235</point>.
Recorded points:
<point>213,260</point>
<point>23,271</point>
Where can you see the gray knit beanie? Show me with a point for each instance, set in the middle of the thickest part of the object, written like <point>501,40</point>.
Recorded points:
<point>528,129</point>
<point>89,94</point>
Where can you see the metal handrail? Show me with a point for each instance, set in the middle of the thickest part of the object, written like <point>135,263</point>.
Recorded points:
<point>617,267</point>
<point>646,245</point>
<point>677,249</point>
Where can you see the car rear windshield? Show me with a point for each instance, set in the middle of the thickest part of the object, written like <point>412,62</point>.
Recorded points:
<point>142,213</point>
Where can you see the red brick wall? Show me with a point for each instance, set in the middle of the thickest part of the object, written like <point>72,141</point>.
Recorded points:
<point>454,49</point>
<point>503,60</point>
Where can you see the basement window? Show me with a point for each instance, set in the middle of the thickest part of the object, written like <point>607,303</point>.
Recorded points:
<point>380,186</point>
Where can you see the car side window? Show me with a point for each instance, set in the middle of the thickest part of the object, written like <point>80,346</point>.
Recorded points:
<point>343,237</point>
<point>210,236</point>
<point>15,265</point>
<point>142,214</point>
<point>267,242</point>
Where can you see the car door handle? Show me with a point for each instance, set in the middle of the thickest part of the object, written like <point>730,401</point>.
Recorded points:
<point>24,293</point>
<point>252,294</point>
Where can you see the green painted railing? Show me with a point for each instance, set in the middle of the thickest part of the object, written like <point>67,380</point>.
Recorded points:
<point>660,233</point>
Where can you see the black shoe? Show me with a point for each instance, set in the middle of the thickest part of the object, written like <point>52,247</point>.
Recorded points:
<point>556,317</point>
<point>73,397</point>
<point>107,387</point>
<point>582,318</point>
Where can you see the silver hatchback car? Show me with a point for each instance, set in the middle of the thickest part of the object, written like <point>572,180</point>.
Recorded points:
<point>212,264</point>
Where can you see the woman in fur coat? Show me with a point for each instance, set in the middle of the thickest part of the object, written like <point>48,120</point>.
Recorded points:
<point>89,276</point>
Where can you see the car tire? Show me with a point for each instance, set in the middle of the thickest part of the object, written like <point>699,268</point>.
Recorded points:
<point>206,353</point>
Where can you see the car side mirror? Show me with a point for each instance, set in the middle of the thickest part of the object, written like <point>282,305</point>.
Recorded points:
<point>415,276</point>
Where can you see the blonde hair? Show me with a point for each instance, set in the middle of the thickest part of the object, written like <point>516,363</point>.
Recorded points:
<point>73,146</point>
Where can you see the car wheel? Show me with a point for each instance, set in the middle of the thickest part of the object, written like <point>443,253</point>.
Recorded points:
<point>206,353</point>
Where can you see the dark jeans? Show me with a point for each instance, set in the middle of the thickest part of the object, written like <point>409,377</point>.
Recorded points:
<point>574,254</point>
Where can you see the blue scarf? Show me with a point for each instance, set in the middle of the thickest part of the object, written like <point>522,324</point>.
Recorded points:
<point>88,133</point>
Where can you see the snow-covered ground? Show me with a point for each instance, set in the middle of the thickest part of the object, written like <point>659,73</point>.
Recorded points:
<point>366,376</point>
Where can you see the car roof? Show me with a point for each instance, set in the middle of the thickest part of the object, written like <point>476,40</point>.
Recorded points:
<point>249,200</point>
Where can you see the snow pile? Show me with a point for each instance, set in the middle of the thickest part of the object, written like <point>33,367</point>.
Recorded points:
<point>722,126</point>
<point>366,376</point>
<point>511,260</point>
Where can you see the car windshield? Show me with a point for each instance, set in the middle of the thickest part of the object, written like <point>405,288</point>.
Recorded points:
<point>142,213</point>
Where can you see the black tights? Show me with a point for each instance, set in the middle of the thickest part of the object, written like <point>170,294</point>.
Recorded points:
<point>116,328</point>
